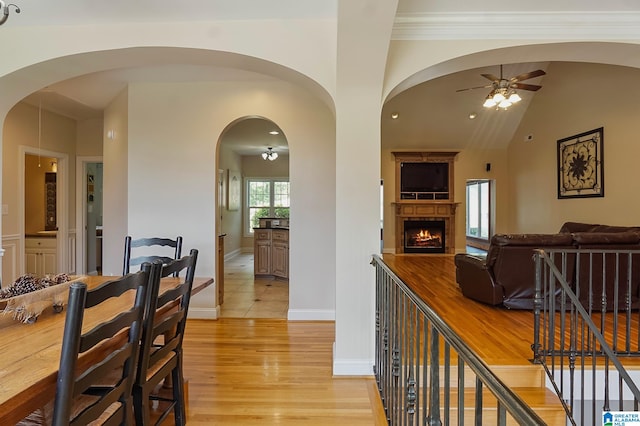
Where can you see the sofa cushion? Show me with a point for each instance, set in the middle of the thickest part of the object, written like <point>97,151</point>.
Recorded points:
<point>594,238</point>
<point>607,228</point>
<point>537,240</point>
<point>577,227</point>
<point>531,241</point>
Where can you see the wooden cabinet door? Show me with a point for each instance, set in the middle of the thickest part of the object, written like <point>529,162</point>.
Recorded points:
<point>49,262</point>
<point>262,257</point>
<point>31,262</point>
<point>280,260</point>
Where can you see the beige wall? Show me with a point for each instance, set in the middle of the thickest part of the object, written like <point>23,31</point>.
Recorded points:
<point>173,130</point>
<point>588,98</point>
<point>230,220</point>
<point>115,190</point>
<point>21,129</point>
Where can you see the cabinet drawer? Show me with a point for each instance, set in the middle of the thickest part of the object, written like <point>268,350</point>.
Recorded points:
<point>38,243</point>
<point>262,234</point>
<point>280,235</point>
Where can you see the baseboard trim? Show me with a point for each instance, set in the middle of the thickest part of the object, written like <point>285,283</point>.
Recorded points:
<point>232,254</point>
<point>204,313</point>
<point>351,367</point>
<point>311,315</point>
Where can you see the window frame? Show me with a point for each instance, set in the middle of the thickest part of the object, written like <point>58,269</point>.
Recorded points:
<point>489,198</point>
<point>247,226</point>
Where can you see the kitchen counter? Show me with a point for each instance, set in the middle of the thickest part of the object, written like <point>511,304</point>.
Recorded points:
<point>271,252</point>
<point>42,234</point>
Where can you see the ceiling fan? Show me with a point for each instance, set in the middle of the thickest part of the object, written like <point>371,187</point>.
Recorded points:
<point>503,90</point>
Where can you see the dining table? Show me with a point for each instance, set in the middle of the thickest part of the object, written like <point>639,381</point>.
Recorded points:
<point>30,352</point>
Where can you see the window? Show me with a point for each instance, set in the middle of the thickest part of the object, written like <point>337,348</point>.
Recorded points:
<point>266,198</point>
<point>478,209</point>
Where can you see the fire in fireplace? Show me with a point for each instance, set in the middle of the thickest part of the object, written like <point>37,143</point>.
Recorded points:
<point>424,236</point>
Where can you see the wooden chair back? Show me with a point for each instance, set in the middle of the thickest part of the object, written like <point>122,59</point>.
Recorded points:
<point>161,345</point>
<point>98,366</point>
<point>150,249</point>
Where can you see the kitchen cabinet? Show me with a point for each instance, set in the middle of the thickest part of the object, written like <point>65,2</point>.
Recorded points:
<point>271,252</point>
<point>41,256</point>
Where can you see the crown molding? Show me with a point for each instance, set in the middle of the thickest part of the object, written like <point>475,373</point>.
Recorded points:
<point>521,25</point>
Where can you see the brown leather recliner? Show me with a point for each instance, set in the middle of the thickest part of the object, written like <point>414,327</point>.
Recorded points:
<point>507,275</point>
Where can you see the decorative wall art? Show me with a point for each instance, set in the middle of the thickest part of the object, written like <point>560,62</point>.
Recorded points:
<point>581,165</point>
<point>233,187</point>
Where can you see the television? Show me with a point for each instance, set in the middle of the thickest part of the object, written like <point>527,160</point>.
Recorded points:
<point>424,177</point>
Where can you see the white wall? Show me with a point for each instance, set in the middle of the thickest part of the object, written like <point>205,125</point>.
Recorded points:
<point>173,131</point>
<point>115,175</point>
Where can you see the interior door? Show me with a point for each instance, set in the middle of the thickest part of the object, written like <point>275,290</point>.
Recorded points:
<point>93,218</point>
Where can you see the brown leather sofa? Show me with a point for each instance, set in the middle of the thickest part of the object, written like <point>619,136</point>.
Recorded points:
<point>506,275</point>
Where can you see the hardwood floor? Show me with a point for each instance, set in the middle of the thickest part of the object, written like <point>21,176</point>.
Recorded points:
<point>271,372</point>
<point>253,367</point>
<point>249,369</point>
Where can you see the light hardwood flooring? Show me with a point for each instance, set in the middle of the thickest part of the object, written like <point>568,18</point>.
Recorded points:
<point>249,297</point>
<point>271,372</point>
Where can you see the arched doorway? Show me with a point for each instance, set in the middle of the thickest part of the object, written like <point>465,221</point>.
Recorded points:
<point>253,216</point>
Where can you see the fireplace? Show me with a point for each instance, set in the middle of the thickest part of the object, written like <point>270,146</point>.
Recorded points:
<point>424,236</point>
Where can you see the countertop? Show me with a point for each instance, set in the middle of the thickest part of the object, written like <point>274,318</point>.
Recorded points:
<point>42,234</point>
<point>273,227</point>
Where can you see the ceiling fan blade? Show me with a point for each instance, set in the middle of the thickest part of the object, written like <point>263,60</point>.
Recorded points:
<point>528,75</point>
<point>490,77</point>
<point>523,86</point>
<point>472,88</point>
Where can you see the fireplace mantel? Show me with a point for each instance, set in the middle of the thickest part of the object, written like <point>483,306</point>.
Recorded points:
<point>419,209</point>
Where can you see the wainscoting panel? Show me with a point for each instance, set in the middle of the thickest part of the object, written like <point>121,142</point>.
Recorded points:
<point>71,255</point>
<point>10,258</point>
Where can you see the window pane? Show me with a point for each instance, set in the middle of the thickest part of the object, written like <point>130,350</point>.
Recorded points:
<point>281,195</point>
<point>259,193</point>
<point>266,198</point>
<point>282,212</point>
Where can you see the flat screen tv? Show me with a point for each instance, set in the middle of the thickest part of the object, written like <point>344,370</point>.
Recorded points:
<point>424,177</point>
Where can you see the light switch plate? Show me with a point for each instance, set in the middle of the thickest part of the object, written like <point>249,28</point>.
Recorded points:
<point>5,209</point>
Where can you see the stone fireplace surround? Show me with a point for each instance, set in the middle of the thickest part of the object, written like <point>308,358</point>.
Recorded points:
<point>425,210</point>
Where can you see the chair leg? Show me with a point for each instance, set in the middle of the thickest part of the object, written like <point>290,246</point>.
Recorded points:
<point>141,406</point>
<point>179,396</point>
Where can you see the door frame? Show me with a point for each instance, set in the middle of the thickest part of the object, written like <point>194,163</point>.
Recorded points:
<point>81,208</point>
<point>62,204</point>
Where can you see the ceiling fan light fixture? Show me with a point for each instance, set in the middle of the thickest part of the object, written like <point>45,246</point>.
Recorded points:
<point>498,97</point>
<point>514,97</point>
<point>489,102</point>
<point>504,104</point>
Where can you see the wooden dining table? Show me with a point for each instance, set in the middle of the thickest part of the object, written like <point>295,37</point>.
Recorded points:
<point>30,352</point>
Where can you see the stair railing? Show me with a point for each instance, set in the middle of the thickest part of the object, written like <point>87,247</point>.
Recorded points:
<point>571,295</point>
<point>426,374</point>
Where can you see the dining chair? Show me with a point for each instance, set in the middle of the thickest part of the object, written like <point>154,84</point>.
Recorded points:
<point>87,389</point>
<point>161,345</point>
<point>140,250</point>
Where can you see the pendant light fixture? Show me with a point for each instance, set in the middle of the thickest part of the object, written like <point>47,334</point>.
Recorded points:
<point>269,154</point>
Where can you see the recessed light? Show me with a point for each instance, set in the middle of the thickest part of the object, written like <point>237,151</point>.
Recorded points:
<point>472,115</point>
<point>274,132</point>
<point>395,115</point>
